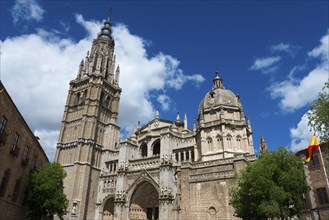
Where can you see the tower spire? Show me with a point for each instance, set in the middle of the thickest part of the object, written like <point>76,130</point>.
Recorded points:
<point>106,30</point>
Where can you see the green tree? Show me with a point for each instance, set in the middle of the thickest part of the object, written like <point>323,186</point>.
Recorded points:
<point>318,116</point>
<point>272,186</point>
<point>48,197</point>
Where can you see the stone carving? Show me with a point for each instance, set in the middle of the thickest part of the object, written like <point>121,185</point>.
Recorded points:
<point>166,159</point>
<point>123,166</point>
<point>74,208</point>
<point>120,196</point>
<point>166,193</point>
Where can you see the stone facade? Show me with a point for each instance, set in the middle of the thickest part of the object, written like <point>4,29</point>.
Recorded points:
<point>165,170</point>
<point>20,154</point>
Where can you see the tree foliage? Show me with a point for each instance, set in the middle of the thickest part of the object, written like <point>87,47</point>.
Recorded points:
<point>318,116</point>
<point>272,186</point>
<point>48,197</point>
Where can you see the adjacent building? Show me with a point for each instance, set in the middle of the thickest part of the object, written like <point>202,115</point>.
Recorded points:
<point>20,154</point>
<point>317,200</point>
<point>165,170</point>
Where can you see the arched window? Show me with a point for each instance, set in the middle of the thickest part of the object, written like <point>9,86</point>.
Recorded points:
<point>144,150</point>
<point>238,142</point>
<point>229,141</point>
<point>83,99</point>
<point>209,144</point>
<point>156,147</point>
<point>76,99</point>
<point>219,142</point>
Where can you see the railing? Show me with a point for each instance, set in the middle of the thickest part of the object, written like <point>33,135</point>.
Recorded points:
<point>144,163</point>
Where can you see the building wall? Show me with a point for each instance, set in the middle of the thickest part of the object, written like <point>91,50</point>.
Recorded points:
<point>16,162</point>
<point>317,199</point>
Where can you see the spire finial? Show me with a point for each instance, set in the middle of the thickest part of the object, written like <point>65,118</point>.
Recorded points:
<point>218,82</point>
<point>157,114</point>
<point>109,15</point>
<point>106,31</point>
<point>177,118</point>
<point>263,146</point>
<point>185,121</point>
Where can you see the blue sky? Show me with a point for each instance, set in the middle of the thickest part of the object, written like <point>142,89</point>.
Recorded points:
<point>274,54</point>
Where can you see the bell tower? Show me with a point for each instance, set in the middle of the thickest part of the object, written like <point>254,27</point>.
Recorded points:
<point>90,124</point>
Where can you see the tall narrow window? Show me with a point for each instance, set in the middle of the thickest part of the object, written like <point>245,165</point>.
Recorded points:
<point>156,147</point>
<point>219,142</point>
<point>4,182</point>
<point>229,141</point>
<point>3,135</point>
<point>16,190</point>
<point>26,153</point>
<point>84,95</point>
<point>322,196</point>
<point>209,142</point>
<point>15,142</point>
<point>15,149</point>
<point>238,142</point>
<point>144,150</point>
<point>77,99</point>
<point>3,124</point>
<point>25,160</point>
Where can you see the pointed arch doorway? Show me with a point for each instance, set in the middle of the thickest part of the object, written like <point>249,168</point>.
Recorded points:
<point>144,202</point>
<point>108,210</point>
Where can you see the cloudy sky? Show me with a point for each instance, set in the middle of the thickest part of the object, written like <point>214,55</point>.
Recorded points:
<point>273,54</point>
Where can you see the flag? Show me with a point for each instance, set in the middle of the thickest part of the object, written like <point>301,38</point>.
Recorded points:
<point>314,145</point>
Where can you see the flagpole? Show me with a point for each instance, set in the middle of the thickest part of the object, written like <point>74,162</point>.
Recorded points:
<point>324,167</point>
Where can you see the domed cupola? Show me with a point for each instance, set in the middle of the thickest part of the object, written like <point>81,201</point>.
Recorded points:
<point>222,131</point>
<point>219,98</point>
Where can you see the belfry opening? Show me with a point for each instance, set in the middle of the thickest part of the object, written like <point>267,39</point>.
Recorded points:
<point>144,203</point>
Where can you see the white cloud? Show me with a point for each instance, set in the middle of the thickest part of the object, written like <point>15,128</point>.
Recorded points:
<point>92,27</point>
<point>27,10</point>
<point>300,135</point>
<point>295,94</point>
<point>48,140</point>
<point>287,48</point>
<point>265,64</point>
<point>36,70</point>
<point>322,51</point>
<point>164,100</point>
<point>142,74</point>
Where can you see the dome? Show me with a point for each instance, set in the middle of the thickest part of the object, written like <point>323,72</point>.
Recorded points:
<point>219,96</point>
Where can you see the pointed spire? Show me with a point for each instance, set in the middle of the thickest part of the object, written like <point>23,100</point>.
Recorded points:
<point>185,121</point>
<point>157,114</point>
<point>117,74</point>
<point>139,125</point>
<point>263,146</point>
<point>106,31</point>
<point>218,82</point>
<point>80,69</point>
<point>177,118</point>
<point>194,125</point>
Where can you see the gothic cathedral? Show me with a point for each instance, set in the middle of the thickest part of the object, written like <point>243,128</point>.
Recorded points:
<point>165,170</point>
